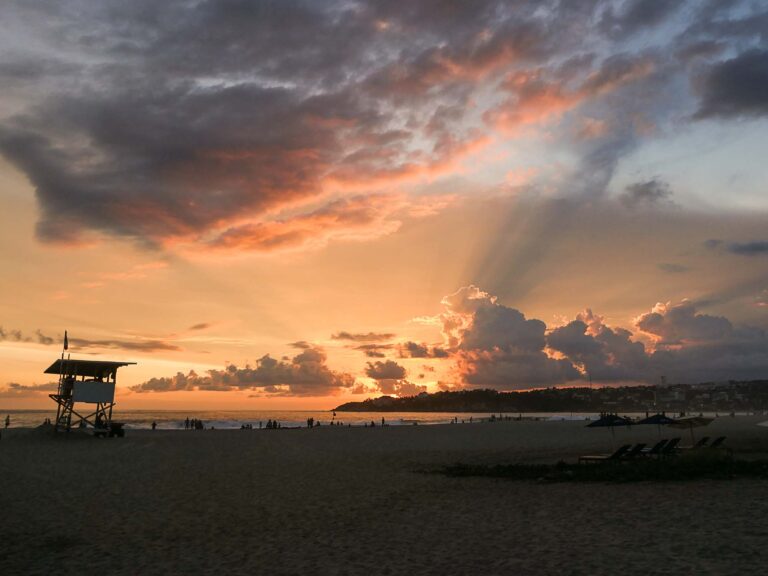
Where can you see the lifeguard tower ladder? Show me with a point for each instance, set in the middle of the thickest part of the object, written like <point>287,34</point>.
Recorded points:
<point>86,382</point>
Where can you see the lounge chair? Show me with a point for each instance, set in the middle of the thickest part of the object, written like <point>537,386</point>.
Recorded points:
<point>634,452</point>
<point>702,443</point>
<point>670,447</point>
<point>606,457</point>
<point>656,449</point>
<point>717,442</point>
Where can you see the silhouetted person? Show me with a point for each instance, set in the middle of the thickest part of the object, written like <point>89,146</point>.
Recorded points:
<point>382,420</point>
<point>186,423</point>
<point>154,425</point>
<point>69,383</point>
<point>7,420</point>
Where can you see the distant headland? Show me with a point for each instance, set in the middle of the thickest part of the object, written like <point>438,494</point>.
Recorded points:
<point>708,397</point>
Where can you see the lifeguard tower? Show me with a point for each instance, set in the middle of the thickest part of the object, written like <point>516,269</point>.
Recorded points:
<point>86,382</point>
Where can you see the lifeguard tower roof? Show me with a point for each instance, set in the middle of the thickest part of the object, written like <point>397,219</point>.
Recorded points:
<point>88,368</point>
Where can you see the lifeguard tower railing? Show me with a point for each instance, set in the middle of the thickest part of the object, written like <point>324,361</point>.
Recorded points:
<point>86,382</point>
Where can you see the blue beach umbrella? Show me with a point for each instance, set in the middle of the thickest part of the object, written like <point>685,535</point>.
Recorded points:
<point>610,421</point>
<point>658,419</point>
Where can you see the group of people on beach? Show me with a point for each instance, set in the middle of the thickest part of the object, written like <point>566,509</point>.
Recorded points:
<point>311,422</point>
<point>373,424</point>
<point>193,424</point>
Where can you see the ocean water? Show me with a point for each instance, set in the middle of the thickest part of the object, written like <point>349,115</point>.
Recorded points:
<point>233,419</point>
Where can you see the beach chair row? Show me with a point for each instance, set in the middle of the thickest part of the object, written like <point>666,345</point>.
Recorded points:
<point>661,449</point>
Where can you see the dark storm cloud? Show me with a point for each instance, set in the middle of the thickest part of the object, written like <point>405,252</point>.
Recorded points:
<point>736,87</point>
<point>756,248</point>
<point>652,192</point>
<point>635,15</point>
<point>204,122</point>
<point>306,374</point>
<point>752,248</point>
<point>180,118</point>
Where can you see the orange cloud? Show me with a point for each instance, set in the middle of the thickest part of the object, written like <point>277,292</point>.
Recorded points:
<point>536,98</point>
<point>361,217</point>
<point>379,169</point>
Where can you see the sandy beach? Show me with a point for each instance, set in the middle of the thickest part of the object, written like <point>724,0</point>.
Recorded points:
<point>365,501</point>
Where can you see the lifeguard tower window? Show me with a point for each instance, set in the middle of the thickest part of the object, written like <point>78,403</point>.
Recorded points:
<point>89,382</point>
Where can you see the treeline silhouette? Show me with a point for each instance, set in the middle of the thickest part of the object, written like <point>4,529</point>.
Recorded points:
<point>730,396</point>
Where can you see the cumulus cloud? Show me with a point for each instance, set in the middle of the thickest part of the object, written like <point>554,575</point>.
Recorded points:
<point>679,323</point>
<point>412,349</point>
<point>374,350</point>
<point>386,370</point>
<point>496,346</point>
<point>306,374</point>
<point>695,347</point>
<point>389,377</point>
<point>602,353</point>
<point>399,387</point>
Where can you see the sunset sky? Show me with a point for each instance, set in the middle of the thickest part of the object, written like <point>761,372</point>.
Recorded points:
<point>295,204</point>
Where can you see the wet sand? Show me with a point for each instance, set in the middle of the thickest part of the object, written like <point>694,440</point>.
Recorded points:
<point>365,501</point>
